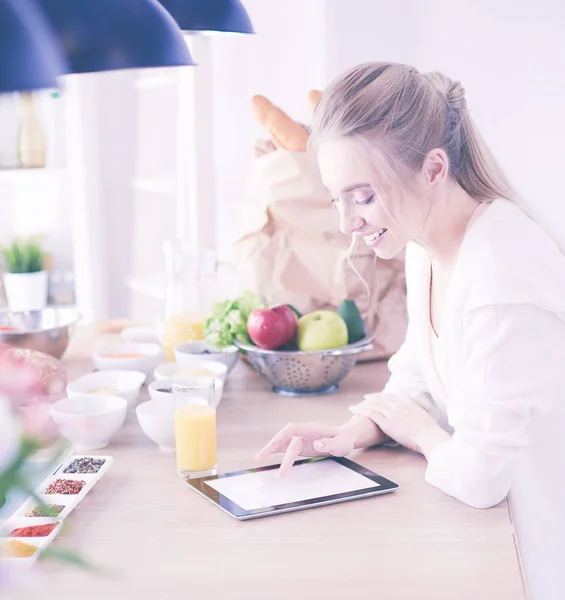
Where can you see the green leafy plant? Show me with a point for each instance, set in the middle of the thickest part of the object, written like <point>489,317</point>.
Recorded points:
<point>228,322</point>
<point>24,256</point>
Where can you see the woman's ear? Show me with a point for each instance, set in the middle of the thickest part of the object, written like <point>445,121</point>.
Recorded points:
<point>436,166</point>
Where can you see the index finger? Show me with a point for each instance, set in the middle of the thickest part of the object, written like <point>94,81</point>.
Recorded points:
<point>280,442</point>
<point>292,453</point>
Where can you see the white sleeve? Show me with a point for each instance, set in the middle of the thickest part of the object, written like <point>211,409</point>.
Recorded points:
<point>406,380</point>
<point>513,370</point>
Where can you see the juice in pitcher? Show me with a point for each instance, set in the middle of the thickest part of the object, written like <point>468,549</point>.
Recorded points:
<point>180,329</point>
<point>191,290</point>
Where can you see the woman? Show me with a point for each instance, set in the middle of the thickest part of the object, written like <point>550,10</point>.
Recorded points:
<point>477,385</point>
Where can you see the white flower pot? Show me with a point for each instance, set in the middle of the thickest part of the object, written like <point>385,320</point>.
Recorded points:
<point>26,291</point>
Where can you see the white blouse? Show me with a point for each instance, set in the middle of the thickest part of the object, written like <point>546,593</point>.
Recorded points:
<point>501,354</point>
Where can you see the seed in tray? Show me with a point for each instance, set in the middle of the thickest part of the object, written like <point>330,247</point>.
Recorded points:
<point>65,486</point>
<point>17,549</point>
<point>85,465</point>
<point>33,531</point>
<point>52,511</point>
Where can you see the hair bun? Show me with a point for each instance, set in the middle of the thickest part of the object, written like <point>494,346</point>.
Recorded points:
<point>456,95</point>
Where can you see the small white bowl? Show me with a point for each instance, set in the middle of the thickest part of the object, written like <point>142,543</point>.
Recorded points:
<point>156,419</point>
<point>144,357</point>
<point>196,352</point>
<point>160,384</point>
<point>205,368</point>
<point>125,384</point>
<point>90,421</point>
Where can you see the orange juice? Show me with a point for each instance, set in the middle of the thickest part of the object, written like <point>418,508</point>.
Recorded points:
<point>195,435</point>
<point>181,329</point>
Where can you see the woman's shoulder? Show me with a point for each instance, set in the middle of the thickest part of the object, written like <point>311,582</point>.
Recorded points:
<point>507,257</point>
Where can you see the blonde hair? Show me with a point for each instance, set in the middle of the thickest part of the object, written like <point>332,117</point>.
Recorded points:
<point>402,114</point>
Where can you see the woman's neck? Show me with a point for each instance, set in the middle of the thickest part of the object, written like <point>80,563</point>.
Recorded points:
<point>450,216</point>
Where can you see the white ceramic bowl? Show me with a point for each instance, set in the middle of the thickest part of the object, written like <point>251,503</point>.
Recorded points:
<point>135,357</point>
<point>205,368</point>
<point>125,384</point>
<point>197,352</point>
<point>167,384</point>
<point>90,421</point>
<point>156,419</point>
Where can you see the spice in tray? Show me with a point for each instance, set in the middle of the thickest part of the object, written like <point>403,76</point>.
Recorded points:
<point>65,486</point>
<point>51,510</point>
<point>85,465</point>
<point>17,549</point>
<point>33,531</point>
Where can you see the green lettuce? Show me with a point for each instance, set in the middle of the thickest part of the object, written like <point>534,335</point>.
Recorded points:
<point>228,322</point>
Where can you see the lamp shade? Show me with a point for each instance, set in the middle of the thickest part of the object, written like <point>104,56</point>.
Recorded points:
<point>107,35</point>
<point>30,58</point>
<point>209,16</point>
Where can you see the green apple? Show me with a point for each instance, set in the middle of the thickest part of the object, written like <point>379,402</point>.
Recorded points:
<point>321,330</point>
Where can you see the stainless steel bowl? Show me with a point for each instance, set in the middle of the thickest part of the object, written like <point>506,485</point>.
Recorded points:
<point>48,330</point>
<point>296,373</point>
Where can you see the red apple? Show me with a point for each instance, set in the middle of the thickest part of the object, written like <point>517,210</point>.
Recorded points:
<point>271,328</point>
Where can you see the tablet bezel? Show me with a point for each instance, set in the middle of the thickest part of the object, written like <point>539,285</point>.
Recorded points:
<point>382,486</point>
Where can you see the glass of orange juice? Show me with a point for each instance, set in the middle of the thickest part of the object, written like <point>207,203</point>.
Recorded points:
<point>195,426</point>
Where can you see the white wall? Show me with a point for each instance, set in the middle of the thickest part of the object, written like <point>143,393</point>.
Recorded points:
<point>359,31</point>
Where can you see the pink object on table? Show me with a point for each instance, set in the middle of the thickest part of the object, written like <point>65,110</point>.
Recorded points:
<point>27,374</point>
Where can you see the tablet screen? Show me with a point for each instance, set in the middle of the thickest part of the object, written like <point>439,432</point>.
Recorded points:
<point>262,489</point>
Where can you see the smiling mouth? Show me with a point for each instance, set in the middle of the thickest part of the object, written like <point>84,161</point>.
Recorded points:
<point>371,239</point>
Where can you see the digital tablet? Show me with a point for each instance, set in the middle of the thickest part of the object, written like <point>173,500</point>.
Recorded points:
<point>309,483</point>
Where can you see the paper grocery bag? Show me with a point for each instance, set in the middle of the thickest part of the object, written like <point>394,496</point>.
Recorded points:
<point>290,249</point>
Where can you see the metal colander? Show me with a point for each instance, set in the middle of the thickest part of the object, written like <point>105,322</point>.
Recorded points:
<point>297,373</point>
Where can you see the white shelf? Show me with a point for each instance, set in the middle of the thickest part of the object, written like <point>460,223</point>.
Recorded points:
<point>16,175</point>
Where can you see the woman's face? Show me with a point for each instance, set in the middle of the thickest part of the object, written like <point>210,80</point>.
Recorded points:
<point>361,208</point>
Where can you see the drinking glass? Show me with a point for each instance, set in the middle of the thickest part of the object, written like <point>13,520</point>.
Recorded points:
<point>195,426</point>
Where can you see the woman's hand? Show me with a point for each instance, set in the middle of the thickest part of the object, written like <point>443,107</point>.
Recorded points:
<point>317,439</point>
<point>406,422</point>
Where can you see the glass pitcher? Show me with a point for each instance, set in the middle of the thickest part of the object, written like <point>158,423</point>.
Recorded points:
<point>192,286</point>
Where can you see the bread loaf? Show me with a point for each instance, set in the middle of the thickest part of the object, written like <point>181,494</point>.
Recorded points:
<point>285,133</point>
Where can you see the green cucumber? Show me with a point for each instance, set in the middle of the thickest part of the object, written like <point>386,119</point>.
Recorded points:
<point>296,312</point>
<point>349,312</point>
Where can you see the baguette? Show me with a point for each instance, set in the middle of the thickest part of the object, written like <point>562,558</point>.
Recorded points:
<point>313,98</point>
<point>285,133</point>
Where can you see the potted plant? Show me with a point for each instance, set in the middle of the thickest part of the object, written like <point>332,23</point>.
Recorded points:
<point>25,280</point>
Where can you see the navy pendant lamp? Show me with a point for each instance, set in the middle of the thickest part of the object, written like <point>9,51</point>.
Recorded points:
<point>107,35</point>
<point>30,57</point>
<point>209,16</point>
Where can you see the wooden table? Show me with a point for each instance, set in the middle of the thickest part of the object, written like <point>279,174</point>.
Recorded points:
<point>152,538</point>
